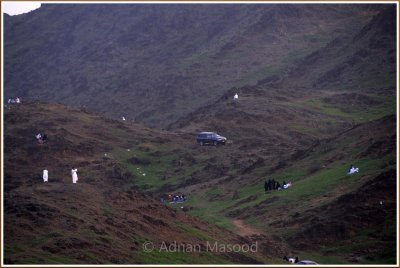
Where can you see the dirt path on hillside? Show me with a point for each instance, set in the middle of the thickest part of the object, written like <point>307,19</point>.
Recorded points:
<point>244,229</point>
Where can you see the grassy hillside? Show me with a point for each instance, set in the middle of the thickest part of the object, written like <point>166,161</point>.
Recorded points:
<point>226,183</point>
<point>157,63</point>
<point>325,99</point>
<point>117,160</point>
<point>103,218</point>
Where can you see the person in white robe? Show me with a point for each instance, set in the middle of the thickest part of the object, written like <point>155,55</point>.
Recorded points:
<point>74,175</point>
<point>353,170</point>
<point>45,175</point>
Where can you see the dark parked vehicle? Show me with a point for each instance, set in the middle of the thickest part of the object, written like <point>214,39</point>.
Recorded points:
<point>210,138</point>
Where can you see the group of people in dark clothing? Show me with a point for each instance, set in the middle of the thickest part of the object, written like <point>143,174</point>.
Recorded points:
<point>271,185</point>
<point>292,260</point>
<point>275,185</point>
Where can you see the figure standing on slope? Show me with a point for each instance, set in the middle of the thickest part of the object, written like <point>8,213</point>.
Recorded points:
<point>273,184</point>
<point>74,175</point>
<point>45,175</point>
<point>236,97</point>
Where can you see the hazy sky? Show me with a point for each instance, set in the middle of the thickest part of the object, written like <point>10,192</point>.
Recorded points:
<point>14,8</point>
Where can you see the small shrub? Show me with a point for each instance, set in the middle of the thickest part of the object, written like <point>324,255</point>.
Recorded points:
<point>139,161</point>
<point>314,168</point>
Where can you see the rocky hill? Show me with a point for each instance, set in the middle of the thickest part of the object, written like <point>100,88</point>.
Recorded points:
<point>125,168</point>
<point>103,218</point>
<point>321,96</point>
<point>308,126</point>
<point>157,63</point>
<point>276,119</point>
<point>364,61</point>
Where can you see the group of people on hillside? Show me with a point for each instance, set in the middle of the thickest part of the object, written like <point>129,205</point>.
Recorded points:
<point>14,101</point>
<point>74,174</point>
<point>176,198</point>
<point>271,184</point>
<point>291,260</point>
<point>41,138</point>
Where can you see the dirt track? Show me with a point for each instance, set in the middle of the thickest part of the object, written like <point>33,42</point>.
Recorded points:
<point>245,230</point>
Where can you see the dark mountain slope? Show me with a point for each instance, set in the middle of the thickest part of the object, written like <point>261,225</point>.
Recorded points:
<point>364,61</point>
<point>284,117</point>
<point>155,63</point>
<point>371,208</point>
<point>102,218</point>
<point>293,130</point>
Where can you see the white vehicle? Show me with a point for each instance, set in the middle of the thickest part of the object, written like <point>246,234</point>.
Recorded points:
<point>307,262</point>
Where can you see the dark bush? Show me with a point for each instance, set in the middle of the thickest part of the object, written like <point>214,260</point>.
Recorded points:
<point>314,168</point>
<point>139,161</point>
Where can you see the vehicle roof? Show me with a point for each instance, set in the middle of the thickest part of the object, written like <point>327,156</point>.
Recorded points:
<point>308,261</point>
<point>207,133</point>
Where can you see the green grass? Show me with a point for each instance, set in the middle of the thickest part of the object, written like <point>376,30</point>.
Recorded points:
<point>139,239</point>
<point>306,189</point>
<point>214,191</point>
<point>212,212</point>
<point>193,232</point>
<point>321,258</point>
<point>148,176</point>
<point>158,166</point>
<point>46,258</point>
<point>43,238</point>
<point>155,170</point>
<point>358,115</point>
